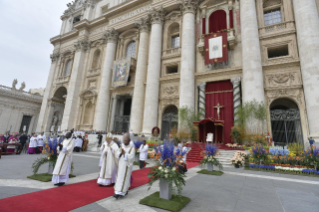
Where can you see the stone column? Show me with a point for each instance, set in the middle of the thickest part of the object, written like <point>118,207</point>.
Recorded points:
<point>236,96</point>
<point>46,96</point>
<point>141,68</point>
<point>114,104</point>
<point>253,87</point>
<point>68,121</point>
<point>187,78</point>
<point>103,100</point>
<point>202,99</point>
<point>307,24</point>
<point>153,72</point>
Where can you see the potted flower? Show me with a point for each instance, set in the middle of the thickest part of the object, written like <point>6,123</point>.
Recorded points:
<point>238,159</point>
<point>209,157</point>
<point>168,171</point>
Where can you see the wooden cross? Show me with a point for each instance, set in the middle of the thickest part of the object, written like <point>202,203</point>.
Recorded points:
<point>218,107</point>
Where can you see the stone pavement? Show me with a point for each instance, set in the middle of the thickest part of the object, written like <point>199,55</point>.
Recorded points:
<point>235,191</point>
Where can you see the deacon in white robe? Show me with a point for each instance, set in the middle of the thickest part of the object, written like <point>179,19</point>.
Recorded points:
<point>63,165</point>
<point>126,156</point>
<point>41,139</point>
<point>110,164</point>
<point>33,144</point>
<point>143,154</point>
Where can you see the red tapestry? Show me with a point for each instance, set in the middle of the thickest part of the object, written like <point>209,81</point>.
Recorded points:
<point>221,92</point>
<point>224,46</point>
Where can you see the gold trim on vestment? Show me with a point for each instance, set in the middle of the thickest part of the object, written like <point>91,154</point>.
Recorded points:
<point>125,173</point>
<point>226,91</point>
<point>63,159</point>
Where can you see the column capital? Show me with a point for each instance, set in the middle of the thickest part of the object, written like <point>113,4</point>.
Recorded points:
<point>82,45</point>
<point>55,57</point>
<point>235,81</point>
<point>111,36</point>
<point>188,6</point>
<point>201,85</point>
<point>156,16</point>
<point>143,24</point>
<point>89,3</point>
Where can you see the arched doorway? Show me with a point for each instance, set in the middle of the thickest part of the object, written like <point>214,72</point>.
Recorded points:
<point>57,109</point>
<point>285,122</point>
<point>169,120</point>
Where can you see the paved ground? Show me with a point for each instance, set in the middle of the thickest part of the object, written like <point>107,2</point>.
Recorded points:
<point>237,190</point>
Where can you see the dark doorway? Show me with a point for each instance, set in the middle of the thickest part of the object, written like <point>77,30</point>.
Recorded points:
<point>285,122</point>
<point>123,114</point>
<point>26,120</point>
<point>169,120</point>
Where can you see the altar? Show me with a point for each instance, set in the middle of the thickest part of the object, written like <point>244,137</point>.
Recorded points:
<point>210,125</point>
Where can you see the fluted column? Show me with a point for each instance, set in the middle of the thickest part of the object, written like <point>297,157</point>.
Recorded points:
<point>187,77</point>
<point>103,100</point>
<point>46,96</point>
<point>236,96</point>
<point>202,99</point>
<point>253,87</point>
<point>68,121</point>
<point>114,105</point>
<point>307,24</point>
<point>153,72</point>
<point>141,68</point>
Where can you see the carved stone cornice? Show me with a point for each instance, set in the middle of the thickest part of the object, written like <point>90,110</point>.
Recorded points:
<point>143,24</point>
<point>89,3</point>
<point>82,45</point>
<point>55,57</point>
<point>188,6</point>
<point>111,36</point>
<point>157,15</point>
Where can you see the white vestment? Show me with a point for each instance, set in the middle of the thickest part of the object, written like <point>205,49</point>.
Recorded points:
<point>123,181</point>
<point>33,142</point>
<point>110,164</point>
<point>143,152</point>
<point>101,151</point>
<point>41,139</point>
<point>63,164</point>
<point>78,142</point>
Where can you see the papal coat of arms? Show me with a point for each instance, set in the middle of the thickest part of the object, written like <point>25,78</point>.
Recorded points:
<point>215,48</point>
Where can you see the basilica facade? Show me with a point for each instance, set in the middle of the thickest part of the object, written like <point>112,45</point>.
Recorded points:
<point>121,65</point>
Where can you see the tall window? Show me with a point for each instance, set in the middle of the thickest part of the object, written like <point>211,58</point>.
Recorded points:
<point>175,41</point>
<point>217,21</point>
<point>272,17</point>
<point>96,59</point>
<point>130,49</point>
<point>75,20</point>
<point>67,68</point>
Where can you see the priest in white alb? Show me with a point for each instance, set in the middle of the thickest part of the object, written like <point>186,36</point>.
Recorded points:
<point>63,165</point>
<point>110,162</point>
<point>126,154</point>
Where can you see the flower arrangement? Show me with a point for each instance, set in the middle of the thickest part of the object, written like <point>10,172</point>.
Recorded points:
<point>168,167</point>
<point>209,156</point>
<point>297,170</point>
<point>239,158</point>
<point>312,156</point>
<point>259,153</point>
<point>137,145</point>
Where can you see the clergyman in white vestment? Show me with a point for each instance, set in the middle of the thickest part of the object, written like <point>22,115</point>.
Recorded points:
<point>126,156</point>
<point>63,165</point>
<point>110,164</point>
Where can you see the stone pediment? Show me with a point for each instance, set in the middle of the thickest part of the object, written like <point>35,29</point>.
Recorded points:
<point>88,93</point>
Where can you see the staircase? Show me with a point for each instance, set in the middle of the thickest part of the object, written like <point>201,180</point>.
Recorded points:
<point>224,156</point>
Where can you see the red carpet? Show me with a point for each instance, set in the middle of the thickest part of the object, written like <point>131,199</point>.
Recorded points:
<point>69,197</point>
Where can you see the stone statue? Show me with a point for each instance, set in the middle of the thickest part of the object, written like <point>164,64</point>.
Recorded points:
<point>22,86</point>
<point>55,120</point>
<point>14,83</point>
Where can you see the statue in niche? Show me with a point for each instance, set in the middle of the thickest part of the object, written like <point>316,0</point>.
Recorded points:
<point>55,121</point>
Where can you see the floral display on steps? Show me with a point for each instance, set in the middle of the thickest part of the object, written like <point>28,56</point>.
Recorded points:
<point>238,159</point>
<point>209,156</point>
<point>285,169</point>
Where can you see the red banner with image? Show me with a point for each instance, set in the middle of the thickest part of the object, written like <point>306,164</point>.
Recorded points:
<point>223,45</point>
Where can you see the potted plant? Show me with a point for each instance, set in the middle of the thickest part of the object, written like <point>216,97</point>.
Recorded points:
<point>168,171</point>
<point>209,157</point>
<point>238,159</point>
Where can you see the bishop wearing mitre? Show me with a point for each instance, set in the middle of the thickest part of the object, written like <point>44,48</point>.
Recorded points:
<point>110,164</point>
<point>63,165</point>
<point>126,155</point>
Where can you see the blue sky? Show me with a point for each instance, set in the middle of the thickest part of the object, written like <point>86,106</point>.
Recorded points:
<point>25,48</point>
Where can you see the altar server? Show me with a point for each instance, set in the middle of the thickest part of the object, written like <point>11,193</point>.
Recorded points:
<point>33,144</point>
<point>78,143</point>
<point>110,164</point>
<point>63,165</point>
<point>40,144</point>
<point>143,153</point>
<point>126,158</point>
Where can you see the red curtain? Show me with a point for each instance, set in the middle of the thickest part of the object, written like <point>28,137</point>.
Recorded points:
<point>231,19</point>
<point>217,21</point>
<point>204,26</point>
<point>225,98</point>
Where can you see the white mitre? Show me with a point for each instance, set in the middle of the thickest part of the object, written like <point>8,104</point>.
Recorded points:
<point>210,137</point>
<point>109,135</point>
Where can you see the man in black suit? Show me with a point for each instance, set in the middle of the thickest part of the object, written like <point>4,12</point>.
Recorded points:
<point>23,140</point>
